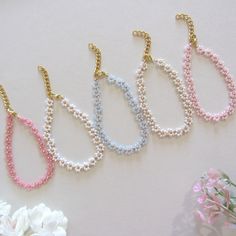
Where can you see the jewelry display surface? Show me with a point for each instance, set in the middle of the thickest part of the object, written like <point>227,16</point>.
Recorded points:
<point>150,192</point>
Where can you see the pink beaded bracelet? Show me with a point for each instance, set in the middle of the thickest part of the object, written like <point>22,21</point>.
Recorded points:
<point>11,116</point>
<point>215,117</point>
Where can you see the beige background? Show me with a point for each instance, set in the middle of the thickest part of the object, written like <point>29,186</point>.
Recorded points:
<point>146,194</point>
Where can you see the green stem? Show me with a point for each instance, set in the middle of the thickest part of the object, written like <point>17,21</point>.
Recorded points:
<point>232,183</point>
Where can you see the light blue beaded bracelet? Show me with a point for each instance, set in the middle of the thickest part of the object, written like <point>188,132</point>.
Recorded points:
<point>126,149</point>
<point>133,103</point>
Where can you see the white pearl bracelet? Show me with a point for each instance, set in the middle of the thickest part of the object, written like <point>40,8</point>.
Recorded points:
<point>180,88</point>
<point>63,162</point>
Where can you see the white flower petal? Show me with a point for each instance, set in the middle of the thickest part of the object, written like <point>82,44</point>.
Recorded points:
<point>54,220</point>
<point>43,233</point>
<point>37,216</point>
<point>7,227</point>
<point>62,221</point>
<point>4,209</point>
<point>21,220</point>
<point>59,232</point>
<point>50,224</point>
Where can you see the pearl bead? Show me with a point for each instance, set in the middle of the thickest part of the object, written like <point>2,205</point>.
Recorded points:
<point>77,168</point>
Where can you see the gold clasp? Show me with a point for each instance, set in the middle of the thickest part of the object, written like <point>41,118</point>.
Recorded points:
<point>189,21</point>
<point>6,101</point>
<point>47,84</point>
<point>146,56</point>
<point>98,73</point>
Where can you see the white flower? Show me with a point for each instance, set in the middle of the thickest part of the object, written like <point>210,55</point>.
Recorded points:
<point>17,225</point>
<point>45,222</point>
<point>39,221</point>
<point>21,219</point>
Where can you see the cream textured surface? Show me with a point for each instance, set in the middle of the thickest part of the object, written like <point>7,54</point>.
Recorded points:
<point>146,194</point>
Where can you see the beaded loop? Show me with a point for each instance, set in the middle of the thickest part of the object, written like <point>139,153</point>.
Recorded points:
<point>47,129</point>
<point>62,161</point>
<point>98,112</point>
<point>172,74</point>
<point>223,70</point>
<point>180,89</point>
<point>9,153</point>
<point>11,115</point>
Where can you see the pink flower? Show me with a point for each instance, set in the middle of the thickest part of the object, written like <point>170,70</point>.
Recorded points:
<point>215,196</point>
<point>211,183</point>
<point>197,187</point>
<point>214,174</point>
<point>202,198</point>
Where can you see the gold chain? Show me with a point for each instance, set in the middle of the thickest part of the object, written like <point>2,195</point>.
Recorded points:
<point>189,21</point>
<point>47,84</point>
<point>6,101</point>
<point>146,56</point>
<point>98,73</point>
